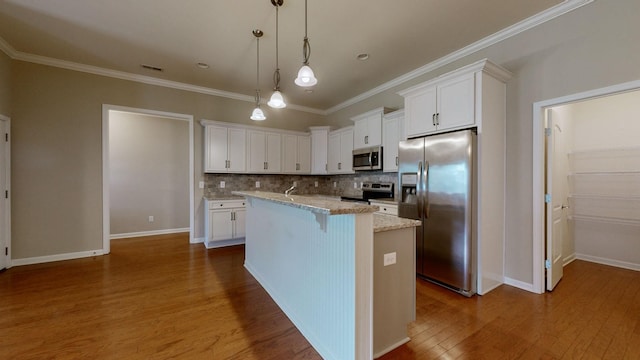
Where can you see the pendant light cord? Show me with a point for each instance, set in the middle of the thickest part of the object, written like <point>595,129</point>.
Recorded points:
<point>306,48</point>
<point>276,74</point>
<point>258,71</point>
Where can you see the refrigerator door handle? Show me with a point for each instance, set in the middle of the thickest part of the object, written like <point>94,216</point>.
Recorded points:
<point>425,191</point>
<point>419,190</point>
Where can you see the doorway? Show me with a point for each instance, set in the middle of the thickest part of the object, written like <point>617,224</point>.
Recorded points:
<point>540,234</point>
<point>5,187</point>
<point>115,114</point>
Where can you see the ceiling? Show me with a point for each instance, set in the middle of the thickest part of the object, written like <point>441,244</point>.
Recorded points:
<point>399,36</point>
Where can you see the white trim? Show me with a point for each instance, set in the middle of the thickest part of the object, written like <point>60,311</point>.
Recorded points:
<point>539,170</point>
<point>391,347</point>
<point>205,122</point>
<point>515,29</point>
<point>57,257</point>
<point>106,221</point>
<point>568,260</point>
<point>148,233</point>
<point>199,240</point>
<point>519,284</point>
<point>8,180</point>
<point>610,262</point>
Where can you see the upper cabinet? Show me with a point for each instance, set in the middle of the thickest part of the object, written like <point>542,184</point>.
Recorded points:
<point>264,152</point>
<point>340,160</point>
<point>392,134</point>
<point>451,101</point>
<point>319,149</point>
<point>296,154</point>
<point>224,149</point>
<point>367,129</point>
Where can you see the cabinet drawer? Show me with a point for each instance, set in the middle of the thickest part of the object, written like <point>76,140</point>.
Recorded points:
<point>225,204</point>
<point>389,209</point>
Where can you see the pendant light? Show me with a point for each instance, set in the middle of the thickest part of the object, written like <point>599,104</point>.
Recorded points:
<point>257,114</point>
<point>306,77</point>
<point>277,101</point>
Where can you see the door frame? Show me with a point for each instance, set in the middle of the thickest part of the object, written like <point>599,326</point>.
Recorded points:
<point>7,165</point>
<point>106,218</point>
<point>539,171</point>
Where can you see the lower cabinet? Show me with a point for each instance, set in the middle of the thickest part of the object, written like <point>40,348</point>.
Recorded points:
<point>224,223</point>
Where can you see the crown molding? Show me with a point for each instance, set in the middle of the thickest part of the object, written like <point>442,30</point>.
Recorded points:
<point>531,22</point>
<point>513,30</point>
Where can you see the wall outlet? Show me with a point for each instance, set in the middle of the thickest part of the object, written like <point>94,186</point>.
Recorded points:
<point>257,184</point>
<point>315,183</point>
<point>295,183</point>
<point>151,219</point>
<point>201,184</point>
<point>335,184</point>
<point>222,184</point>
<point>355,185</point>
<point>389,259</point>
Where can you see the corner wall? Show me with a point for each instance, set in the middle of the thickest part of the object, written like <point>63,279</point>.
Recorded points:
<point>5,84</point>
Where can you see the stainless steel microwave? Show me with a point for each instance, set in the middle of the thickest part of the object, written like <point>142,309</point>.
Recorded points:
<point>367,159</point>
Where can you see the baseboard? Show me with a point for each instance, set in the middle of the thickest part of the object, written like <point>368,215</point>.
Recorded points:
<point>520,284</point>
<point>223,243</point>
<point>57,257</point>
<point>569,259</point>
<point>199,240</point>
<point>148,233</point>
<point>391,347</point>
<point>610,262</point>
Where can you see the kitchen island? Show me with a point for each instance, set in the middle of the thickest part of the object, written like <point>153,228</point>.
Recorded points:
<point>320,261</point>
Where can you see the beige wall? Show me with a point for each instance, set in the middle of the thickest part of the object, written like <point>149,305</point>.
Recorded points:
<point>148,173</point>
<point>57,151</point>
<point>592,47</point>
<point>5,84</point>
<point>57,125</point>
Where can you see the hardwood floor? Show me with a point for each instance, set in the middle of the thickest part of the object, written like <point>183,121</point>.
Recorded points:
<point>161,298</point>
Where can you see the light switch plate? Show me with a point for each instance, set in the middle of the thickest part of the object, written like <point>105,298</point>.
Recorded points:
<point>222,184</point>
<point>389,259</point>
<point>335,184</point>
<point>355,185</point>
<point>257,184</point>
<point>201,184</point>
<point>315,184</point>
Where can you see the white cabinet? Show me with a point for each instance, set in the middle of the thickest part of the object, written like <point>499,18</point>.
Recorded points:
<point>445,105</point>
<point>319,149</point>
<point>392,130</point>
<point>386,207</point>
<point>264,152</point>
<point>296,154</point>
<point>224,149</point>
<point>367,129</point>
<point>224,223</point>
<point>340,152</point>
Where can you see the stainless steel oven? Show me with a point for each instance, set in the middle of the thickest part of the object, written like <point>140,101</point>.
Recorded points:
<point>367,159</point>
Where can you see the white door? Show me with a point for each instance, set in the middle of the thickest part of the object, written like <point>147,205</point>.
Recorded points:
<point>257,143</point>
<point>221,224</point>
<point>333,160</point>
<point>216,149</point>
<point>391,135</point>
<point>274,149</point>
<point>556,219</point>
<point>239,223</point>
<point>456,103</point>
<point>4,201</point>
<point>237,151</point>
<point>346,151</point>
<point>304,154</point>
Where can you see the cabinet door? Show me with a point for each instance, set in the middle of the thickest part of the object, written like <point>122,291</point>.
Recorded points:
<point>360,133</point>
<point>237,139</point>
<point>333,158</point>
<point>289,158</point>
<point>221,225</point>
<point>419,111</point>
<point>374,130</point>
<point>256,143</point>
<point>319,151</point>
<point>304,154</point>
<point>239,223</point>
<point>456,103</point>
<point>346,151</point>
<point>215,146</point>
<point>273,152</point>
<point>391,134</point>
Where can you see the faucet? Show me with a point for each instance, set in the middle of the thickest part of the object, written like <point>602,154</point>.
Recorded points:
<point>290,190</point>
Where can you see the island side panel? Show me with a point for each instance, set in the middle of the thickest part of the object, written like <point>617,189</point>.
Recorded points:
<point>307,263</point>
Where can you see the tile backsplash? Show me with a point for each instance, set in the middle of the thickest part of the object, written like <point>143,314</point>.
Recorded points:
<point>305,184</point>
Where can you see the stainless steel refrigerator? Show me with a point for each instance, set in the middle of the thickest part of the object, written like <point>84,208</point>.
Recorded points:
<point>436,183</point>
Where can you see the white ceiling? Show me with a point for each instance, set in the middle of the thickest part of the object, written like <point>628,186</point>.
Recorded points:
<point>400,36</point>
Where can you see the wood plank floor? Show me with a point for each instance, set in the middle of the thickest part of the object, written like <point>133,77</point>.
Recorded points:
<point>161,298</point>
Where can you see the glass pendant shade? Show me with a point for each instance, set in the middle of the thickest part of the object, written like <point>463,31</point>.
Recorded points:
<point>277,101</point>
<point>306,77</point>
<point>257,114</point>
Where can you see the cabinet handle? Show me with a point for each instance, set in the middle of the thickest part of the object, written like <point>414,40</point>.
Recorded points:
<point>397,161</point>
<point>438,119</point>
<point>366,139</point>
<point>433,119</point>
<point>231,216</point>
<point>297,166</point>
<point>326,167</point>
<point>266,165</point>
<point>339,166</point>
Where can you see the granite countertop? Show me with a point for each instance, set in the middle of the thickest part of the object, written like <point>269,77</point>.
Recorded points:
<point>313,203</point>
<point>386,201</point>
<point>383,222</point>
<point>223,197</point>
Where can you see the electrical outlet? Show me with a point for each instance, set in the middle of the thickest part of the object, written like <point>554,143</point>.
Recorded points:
<point>222,184</point>
<point>355,185</point>
<point>295,183</point>
<point>151,219</point>
<point>335,184</point>
<point>315,184</point>
<point>389,259</point>
<point>201,184</point>
<point>257,184</point>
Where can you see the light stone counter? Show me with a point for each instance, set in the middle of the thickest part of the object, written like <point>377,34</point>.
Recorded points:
<point>224,197</point>
<point>315,204</point>
<point>383,222</point>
